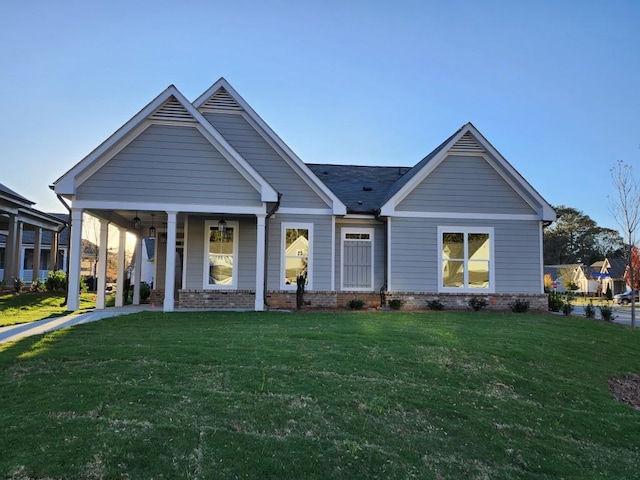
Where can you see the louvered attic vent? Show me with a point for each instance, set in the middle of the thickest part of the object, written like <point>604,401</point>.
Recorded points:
<point>467,144</point>
<point>221,100</point>
<point>172,109</point>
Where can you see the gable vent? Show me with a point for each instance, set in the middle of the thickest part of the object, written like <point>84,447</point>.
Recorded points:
<point>222,100</point>
<point>467,144</point>
<point>172,109</point>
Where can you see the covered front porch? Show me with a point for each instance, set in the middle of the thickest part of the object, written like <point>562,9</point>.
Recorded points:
<point>198,262</point>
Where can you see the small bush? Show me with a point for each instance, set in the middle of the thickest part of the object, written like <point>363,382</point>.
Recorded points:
<point>590,310</point>
<point>519,306</point>
<point>567,308</point>
<point>356,304</point>
<point>555,302</point>
<point>18,284</point>
<point>395,304</point>
<point>37,286</point>
<point>435,305</point>
<point>477,303</point>
<point>56,281</point>
<point>606,313</point>
<point>84,288</point>
<point>145,291</point>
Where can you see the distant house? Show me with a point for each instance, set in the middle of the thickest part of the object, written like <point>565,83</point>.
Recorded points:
<point>579,275</point>
<point>31,242</point>
<point>243,215</point>
<point>612,274</point>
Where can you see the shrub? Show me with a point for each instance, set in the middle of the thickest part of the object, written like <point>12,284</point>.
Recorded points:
<point>555,302</point>
<point>609,293</point>
<point>18,284</point>
<point>356,304</point>
<point>56,281</point>
<point>300,282</point>
<point>606,313</point>
<point>435,305</point>
<point>519,306</point>
<point>590,310</point>
<point>145,291</point>
<point>567,308</point>
<point>84,288</point>
<point>37,286</point>
<point>477,303</point>
<point>395,304</point>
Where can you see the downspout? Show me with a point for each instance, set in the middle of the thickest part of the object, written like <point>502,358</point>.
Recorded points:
<point>273,210</point>
<point>386,260</point>
<point>68,224</point>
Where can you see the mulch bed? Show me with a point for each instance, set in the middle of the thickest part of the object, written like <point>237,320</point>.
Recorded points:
<point>626,389</point>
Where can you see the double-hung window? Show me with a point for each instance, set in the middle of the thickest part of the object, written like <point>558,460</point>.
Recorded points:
<point>297,254</point>
<point>466,259</point>
<point>357,259</point>
<point>221,256</point>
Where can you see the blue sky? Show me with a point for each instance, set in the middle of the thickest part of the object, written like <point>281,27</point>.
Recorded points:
<point>553,85</point>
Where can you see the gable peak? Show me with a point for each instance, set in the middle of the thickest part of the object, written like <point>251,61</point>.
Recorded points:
<point>172,109</point>
<point>221,100</point>
<point>467,143</point>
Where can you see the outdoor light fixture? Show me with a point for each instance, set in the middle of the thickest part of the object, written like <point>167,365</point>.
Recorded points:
<point>222,225</point>
<point>152,229</point>
<point>137,223</point>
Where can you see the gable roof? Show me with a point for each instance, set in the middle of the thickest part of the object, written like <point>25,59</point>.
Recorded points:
<point>170,105</point>
<point>464,140</point>
<point>361,188</point>
<point>222,96</point>
<point>615,267</point>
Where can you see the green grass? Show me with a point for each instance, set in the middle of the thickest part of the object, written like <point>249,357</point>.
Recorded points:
<point>29,307</point>
<point>358,395</point>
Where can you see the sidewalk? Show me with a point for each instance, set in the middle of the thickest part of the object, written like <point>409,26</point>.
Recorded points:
<point>16,332</point>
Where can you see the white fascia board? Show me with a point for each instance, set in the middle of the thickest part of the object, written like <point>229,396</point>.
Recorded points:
<point>289,156</point>
<point>66,184</point>
<point>467,216</point>
<point>169,207</point>
<point>304,211</point>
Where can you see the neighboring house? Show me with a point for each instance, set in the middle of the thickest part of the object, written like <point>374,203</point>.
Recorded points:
<point>580,275</point>
<point>612,274</point>
<point>244,215</point>
<point>26,239</point>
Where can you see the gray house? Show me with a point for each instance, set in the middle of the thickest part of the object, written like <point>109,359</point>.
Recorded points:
<point>238,216</point>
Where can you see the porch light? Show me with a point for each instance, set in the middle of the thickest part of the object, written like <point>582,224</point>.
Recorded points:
<point>137,223</point>
<point>222,225</point>
<point>152,229</point>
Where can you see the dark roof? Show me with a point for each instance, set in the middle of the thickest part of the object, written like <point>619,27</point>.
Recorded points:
<point>618,267</point>
<point>361,188</point>
<point>6,190</point>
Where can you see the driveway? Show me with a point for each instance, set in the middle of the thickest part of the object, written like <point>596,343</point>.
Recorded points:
<point>16,332</point>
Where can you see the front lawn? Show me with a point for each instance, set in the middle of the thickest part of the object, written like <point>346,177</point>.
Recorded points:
<point>336,395</point>
<point>29,307</point>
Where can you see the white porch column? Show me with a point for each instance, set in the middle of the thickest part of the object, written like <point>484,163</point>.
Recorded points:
<point>170,263</point>
<point>260,238</point>
<point>9,251</point>
<point>53,257</point>
<point>122,247</point>
<point>18,258</point>
<point>101,273</point>
<point>138,270</point>
<point>75,254</point>
<point>37,247</point>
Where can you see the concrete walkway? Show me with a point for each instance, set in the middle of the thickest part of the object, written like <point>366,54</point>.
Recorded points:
<point>16,332</point>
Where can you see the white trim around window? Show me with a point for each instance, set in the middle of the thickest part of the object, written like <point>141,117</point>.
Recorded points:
<point>229,258</point>
<point>350,235</point>
<point>298,254</point>
<point>465,284</point>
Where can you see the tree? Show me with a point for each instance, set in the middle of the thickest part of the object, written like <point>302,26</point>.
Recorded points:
<point>576,238</point>
<point>625,209</point>
<point>632,274</point>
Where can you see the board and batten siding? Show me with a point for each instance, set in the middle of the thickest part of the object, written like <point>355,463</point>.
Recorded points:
<point>255,149</point>
<point>170,164</point>
<point>379,246</point>
<point>322,247</point>
<point>465,184</point>
<point>414,254</point>
<point>196,248</point>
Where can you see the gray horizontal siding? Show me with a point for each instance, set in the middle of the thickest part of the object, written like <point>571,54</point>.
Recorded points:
<point>465,184</point>
<point>379,246</point>
<point>414,256</point>
<point>170,164</point>
<point>322,245</point>
<point>243,137</point>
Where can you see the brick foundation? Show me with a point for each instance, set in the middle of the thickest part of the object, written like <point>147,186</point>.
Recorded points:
<point>215,299</point>
<point>457,301</point>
